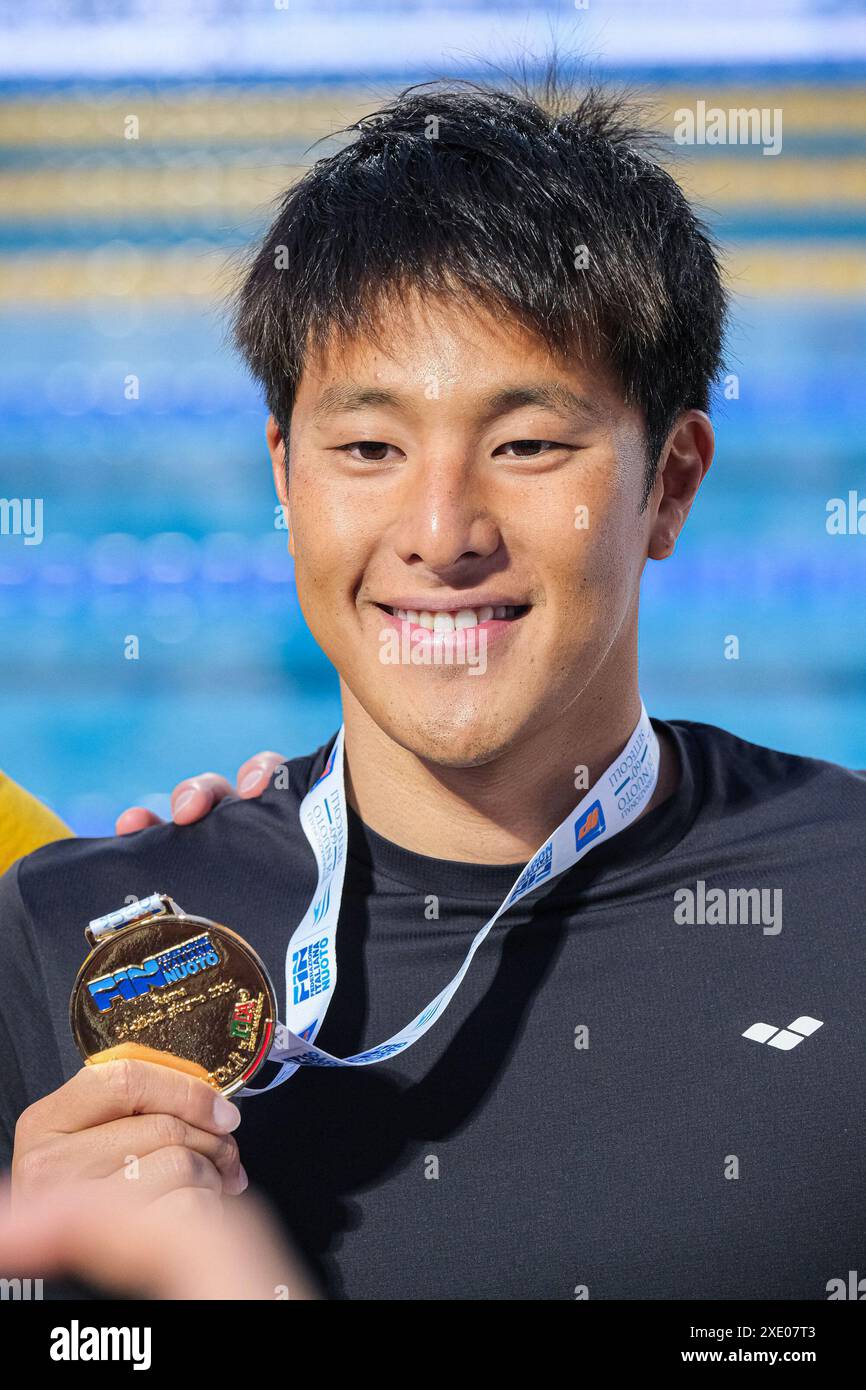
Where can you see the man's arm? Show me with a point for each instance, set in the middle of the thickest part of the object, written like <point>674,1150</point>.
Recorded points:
<point>29,1060</point>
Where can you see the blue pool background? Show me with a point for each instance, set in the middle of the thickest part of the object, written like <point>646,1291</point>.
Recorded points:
<point>159,512</point>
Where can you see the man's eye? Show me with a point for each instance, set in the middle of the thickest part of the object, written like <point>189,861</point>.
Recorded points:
<point>528,448</point>
<point>370,450</point>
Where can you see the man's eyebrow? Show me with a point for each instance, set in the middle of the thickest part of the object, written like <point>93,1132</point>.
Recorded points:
<point>336,399</point>
<point>551,395</point>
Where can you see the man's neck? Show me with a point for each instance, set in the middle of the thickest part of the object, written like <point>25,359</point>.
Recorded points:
<point>496,813</point>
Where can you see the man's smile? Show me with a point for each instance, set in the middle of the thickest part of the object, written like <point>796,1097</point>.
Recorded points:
<point>429,619</point>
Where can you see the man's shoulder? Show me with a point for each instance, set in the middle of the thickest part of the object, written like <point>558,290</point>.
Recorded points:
<point>224,855</point>
<point>62,872</point>
<point>780,787</point>
<point>738,753</point>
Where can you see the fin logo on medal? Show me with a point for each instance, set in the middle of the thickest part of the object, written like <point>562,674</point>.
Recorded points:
<point>129,981</point>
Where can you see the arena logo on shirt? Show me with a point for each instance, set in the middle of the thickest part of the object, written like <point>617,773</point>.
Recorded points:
<point>167,968</point>
<point>311,971</point>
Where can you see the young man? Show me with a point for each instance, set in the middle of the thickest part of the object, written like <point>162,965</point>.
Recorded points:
<point>487,332</point>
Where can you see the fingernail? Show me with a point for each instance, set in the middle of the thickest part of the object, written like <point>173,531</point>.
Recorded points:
<point>243,1180</point>
<point>183,800</point>
<point>225,1115</point>
<point>250,781</point>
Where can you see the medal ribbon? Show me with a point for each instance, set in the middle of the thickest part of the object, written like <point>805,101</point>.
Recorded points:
<point>616,799</point>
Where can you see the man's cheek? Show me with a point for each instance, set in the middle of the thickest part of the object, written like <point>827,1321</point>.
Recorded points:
<point>592,546</point>
<point>610,536</point>
<point>314,584</point>
<point>594,582</point>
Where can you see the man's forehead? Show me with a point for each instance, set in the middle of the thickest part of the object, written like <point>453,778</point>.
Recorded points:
<point>433,348</point>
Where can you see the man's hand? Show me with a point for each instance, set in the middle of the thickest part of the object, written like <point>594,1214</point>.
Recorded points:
<point>195,796</point>
<point>130,1122</point>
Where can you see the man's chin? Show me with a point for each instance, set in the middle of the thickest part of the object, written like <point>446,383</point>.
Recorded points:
<point>449,740</point>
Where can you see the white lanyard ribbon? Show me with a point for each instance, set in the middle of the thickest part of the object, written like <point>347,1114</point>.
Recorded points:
<point>616,799</point>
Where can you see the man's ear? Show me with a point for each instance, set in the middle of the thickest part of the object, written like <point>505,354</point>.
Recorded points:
<point>687,455</point>
<point>277,451</point>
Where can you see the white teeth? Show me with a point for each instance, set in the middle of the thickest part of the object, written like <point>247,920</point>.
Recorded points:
<point>451,620</point>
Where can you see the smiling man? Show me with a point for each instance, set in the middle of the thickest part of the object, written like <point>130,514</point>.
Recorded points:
<point>487,331</point>
<point>435,471</point>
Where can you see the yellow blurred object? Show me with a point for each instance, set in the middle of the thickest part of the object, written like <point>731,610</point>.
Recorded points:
<point>25,824</point>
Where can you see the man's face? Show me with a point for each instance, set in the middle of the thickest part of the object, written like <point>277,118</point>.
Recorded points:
<point>451,463</point>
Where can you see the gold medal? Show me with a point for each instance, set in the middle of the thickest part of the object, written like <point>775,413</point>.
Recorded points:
<point>159,979</point>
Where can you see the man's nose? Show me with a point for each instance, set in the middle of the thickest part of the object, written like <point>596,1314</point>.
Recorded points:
<point>445,517</point>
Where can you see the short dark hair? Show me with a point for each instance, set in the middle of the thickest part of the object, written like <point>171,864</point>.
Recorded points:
<point>488,194</point>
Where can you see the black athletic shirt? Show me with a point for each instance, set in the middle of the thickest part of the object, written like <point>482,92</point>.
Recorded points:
<point>587,1118</point>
